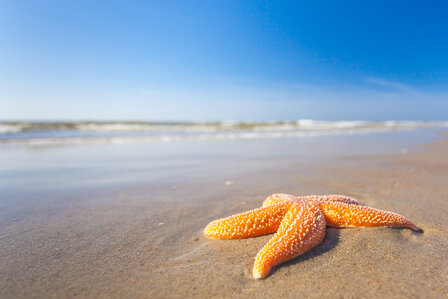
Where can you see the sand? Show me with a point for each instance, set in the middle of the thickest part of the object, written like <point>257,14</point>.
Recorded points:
<point>145,239</point>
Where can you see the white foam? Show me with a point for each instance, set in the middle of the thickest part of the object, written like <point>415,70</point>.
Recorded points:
<point>10,128</point>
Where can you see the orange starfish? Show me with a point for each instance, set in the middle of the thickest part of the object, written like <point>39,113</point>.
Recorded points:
<point>299,223</point>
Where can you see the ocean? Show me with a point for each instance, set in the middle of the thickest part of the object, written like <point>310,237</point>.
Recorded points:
<point>125,132</point>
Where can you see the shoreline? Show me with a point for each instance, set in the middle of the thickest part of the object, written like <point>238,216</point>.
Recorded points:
<point>147,240</point>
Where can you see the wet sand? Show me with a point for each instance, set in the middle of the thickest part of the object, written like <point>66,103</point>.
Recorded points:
<point>143,238</point>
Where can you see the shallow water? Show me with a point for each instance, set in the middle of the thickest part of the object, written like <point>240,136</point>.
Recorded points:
<point>30,174</point>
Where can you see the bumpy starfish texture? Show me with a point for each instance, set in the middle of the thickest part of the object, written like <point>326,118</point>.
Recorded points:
<point>299,224</point>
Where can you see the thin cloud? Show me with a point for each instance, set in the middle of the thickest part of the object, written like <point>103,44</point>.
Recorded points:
<point>389,85</point>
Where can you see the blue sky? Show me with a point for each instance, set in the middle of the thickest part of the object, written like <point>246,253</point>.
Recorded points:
<point>212,60</point>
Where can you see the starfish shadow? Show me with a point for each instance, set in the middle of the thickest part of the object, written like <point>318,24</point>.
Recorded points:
<point>419,231</point>
<point>330,241</point>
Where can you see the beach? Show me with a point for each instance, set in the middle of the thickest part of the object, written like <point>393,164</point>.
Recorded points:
<point>126,220</point>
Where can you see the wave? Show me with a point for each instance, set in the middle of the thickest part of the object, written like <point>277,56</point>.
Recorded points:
<point>123,132</point>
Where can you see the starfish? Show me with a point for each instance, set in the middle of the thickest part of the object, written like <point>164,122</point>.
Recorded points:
<point>299,224</point>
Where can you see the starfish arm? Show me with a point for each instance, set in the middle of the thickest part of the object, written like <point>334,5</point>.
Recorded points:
<point>277,198</point>
<point>302,228</point>
<point>339,214</point>
<point>335,198</point>
<point>249,224</point>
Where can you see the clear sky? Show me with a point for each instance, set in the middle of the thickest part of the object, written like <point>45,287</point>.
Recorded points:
<point>213,60</point>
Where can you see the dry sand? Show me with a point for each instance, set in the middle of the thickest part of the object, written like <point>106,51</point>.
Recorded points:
<point>118,243</point>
